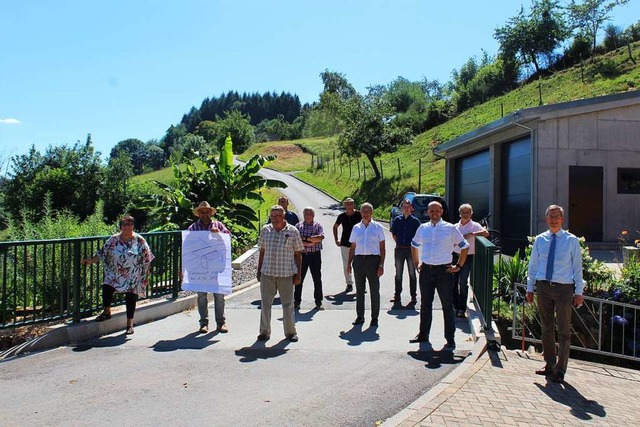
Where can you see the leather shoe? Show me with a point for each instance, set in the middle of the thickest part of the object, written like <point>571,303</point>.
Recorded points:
<point>544,371</point>
<point>263,337</point>
<point>348,289</point>
<point>358,321</point>
<point>450,345</point>
<point>222,328</point>
<point>374,322</point>
<point>419,338</point>
<point>203,329</point>
<point>292,338</point>
<point>558,377</point>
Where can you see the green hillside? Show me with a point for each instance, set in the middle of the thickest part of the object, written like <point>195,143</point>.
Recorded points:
<point>616,71</point>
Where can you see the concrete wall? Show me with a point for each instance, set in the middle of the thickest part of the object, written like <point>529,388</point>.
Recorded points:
<point>609,138</point>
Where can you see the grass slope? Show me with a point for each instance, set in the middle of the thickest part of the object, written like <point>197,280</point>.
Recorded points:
<point>610,73</point>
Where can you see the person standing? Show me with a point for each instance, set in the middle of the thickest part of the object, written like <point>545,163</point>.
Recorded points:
<point>555,272</point>
<point>347,220</point>
<point>312,235</point>
<point>279,267</point>
<point>367,254</point>
<point>432,249</point>
<point>403,228</point>
<point>205,222</point>
<point>469,230</point>
<point>289,216</point>
<point>127,261</point>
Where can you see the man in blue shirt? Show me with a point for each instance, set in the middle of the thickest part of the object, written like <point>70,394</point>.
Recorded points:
<point>555,268</point>
<point>403,228</point>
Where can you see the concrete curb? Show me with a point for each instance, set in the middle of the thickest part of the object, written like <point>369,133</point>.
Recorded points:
<point>64,334</point>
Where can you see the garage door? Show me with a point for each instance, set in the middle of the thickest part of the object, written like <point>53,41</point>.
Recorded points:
<point>515,203</point>
<point>472,185</point>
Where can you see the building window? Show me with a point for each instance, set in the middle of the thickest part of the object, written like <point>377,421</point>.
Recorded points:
<point>628,181</point>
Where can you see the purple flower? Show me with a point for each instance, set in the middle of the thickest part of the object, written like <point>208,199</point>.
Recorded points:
<point>617,293</point>
<point>619,320</point>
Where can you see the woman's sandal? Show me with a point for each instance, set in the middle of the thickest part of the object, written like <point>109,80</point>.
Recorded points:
<point>129,330</point>
<point>103,316</point>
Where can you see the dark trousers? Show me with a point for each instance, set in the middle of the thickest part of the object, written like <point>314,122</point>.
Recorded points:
<point>313,262</point>
<point>402,256</point>
<point>432,278</point>
<point>460,283</point>
<point>365,268</point>
<point>129,299</point>
<point>555,299</point>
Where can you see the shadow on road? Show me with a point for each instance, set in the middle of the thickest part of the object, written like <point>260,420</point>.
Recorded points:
<point>110,341</point>
<point>259,350</point>
<point>401,312</point>
<point>193,341</point>
<point>340,298</point>
<point>435,359</point>
<point>356,335</point>
<point>258,303</point>
<point>307,316</point>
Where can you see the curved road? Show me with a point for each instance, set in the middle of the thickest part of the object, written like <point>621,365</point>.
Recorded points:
<point>337,374</point>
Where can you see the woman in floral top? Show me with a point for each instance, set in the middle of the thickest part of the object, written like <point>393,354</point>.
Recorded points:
<point>127,258</point>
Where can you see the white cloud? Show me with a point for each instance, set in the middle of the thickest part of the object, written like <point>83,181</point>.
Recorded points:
<point>10,121</point>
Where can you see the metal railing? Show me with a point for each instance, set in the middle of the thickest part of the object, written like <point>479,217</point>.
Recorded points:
<point>482,277</point>
<point>43,281</point>
<point>600,326</point>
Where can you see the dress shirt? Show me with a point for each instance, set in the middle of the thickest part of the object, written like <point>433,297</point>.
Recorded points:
<point>437,242</point>
<point>470,227</point>
<point>279,249</point>
<point>308,230</point>
<point>367,238</point>
<point>567,266</point>
<point>404,229</point>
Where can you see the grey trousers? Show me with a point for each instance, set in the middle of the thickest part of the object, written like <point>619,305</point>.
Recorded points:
<point>203,309</point>
<point>269,286</point>
<point>555,299</point>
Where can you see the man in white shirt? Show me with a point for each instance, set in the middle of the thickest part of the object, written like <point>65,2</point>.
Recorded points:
<point>432,248</point>
<point>367,253</point>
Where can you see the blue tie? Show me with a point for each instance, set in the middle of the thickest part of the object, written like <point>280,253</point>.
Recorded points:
<point>551,259</point>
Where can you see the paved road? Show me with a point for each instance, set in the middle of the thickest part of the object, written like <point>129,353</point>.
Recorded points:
<point>337,374</point>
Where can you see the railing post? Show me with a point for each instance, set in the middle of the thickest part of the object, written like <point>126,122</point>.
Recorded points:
<point>483,278</point>
<point>177,251</point>
<point>76,280</point>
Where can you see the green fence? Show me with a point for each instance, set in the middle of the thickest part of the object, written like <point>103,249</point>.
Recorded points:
<point>43,281</point>
<point>483,277</point>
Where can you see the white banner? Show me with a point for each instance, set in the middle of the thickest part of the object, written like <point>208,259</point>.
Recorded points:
<point>206,262</point>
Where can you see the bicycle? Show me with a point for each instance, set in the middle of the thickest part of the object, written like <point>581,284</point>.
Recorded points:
<point>494,235</point>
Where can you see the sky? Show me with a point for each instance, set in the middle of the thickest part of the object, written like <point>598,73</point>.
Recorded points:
<point>122,69</point>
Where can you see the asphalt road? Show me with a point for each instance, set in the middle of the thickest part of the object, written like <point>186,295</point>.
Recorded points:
<point>166,373</point>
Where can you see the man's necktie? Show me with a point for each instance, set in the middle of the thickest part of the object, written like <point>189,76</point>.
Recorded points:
<point>551,259</point>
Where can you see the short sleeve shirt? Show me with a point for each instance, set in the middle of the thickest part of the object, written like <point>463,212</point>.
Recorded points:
<point>347,222</point>
<point>279,249</point>
<point>367,238</point>
<point>469,227</point>
<point>436,242</point>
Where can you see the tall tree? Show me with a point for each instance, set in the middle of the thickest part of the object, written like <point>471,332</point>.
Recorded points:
<point>370,129</point>
<point>534,36</point>
<point>590,15</point>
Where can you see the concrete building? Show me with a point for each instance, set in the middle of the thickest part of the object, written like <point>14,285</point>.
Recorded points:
<point>583,155</point>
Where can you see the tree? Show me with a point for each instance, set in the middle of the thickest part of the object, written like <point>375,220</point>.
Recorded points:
<point>135,149</point>
<point>222,186</point>
<point>114,194</point>
<point>533,36</point>
<point>239,127</point>
<point>72,175</point>
<point>590,15</point>
<point>324,119</point>
<point>370,129</point>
